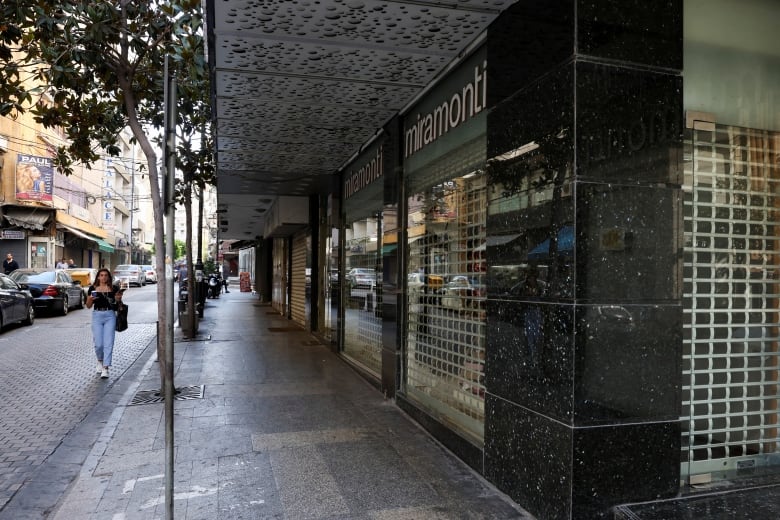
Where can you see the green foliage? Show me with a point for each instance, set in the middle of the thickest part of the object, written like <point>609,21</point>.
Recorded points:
<point>93,68</point>
<point>179,248</point>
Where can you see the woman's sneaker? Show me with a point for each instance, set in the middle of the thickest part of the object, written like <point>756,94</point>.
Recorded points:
<point>99,367</point>
<point>104,373</point>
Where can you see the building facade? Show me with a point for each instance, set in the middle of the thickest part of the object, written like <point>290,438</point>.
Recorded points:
<point>562,260</point>
<point>86,217</point>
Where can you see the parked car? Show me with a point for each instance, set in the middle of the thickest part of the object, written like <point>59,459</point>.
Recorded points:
<point>16,303</point>
<point>150,273</point>
<point>53,290</point>
<point>129,274</point>
<point>85,276</point>
<point>416,281</point>
<point>462,293</point>
<point>361,277</point>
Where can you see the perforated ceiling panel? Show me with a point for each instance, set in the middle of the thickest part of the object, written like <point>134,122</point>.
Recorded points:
<point>301,85</point>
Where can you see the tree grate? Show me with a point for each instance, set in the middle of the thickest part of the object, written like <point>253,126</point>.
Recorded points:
<point>181,393</point>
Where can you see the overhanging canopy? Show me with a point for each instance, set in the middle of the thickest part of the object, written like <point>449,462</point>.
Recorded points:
<point>102,244</point>
<point>298,88</point>
<point>33,218</point>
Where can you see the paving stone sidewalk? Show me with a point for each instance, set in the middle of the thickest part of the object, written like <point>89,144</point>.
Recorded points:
<point>285,430</point>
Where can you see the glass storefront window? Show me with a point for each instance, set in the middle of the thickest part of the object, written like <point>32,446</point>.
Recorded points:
<point>331,292</point>
<point>446,294</point>
<point>361,291</point>
<point>39,255</point>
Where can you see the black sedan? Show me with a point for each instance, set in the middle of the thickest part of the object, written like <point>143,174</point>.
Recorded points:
<point>52,289</point>
<point>16,303</point>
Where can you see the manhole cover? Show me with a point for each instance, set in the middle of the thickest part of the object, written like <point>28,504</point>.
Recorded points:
<point>181,393</point>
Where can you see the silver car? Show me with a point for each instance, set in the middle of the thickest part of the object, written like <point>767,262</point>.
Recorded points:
<point>129,274</point>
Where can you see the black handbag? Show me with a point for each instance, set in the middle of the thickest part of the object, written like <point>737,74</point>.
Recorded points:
<point>121,317</point>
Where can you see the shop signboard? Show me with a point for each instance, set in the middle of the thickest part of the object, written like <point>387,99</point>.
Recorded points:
<point>12,234</point>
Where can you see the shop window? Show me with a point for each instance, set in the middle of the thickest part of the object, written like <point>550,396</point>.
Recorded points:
<point>39,254</point>
<point>361,293</point>
<point>445,339</point>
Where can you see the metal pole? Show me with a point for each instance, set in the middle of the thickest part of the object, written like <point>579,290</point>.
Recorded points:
<point>132,201</point>
<point>170,139</point>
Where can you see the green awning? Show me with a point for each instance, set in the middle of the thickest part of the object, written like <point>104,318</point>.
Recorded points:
<point>389,248</point>
<point>103,245</point>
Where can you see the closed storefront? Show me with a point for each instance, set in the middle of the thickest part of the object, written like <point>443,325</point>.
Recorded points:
<point>299,305</point>
<point>280,269</point>
<point>731,282</point>
<point>15,242</point>
<point>361,287</point>
<point>446,210</point>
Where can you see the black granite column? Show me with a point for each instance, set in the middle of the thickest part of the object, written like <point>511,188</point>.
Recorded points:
<point>392,264</point>
<point>583,368</point>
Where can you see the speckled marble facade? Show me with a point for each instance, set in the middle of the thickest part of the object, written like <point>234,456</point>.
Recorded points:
<point>583,369</point>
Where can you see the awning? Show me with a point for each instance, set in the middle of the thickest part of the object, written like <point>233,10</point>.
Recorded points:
<point>76,232</point>
<point>389,248</point>
<point>102,244</point>
<point>565,245</point>
<point>33,218</point>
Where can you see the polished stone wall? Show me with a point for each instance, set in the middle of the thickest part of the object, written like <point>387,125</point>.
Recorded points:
<point>392,254</point>
<point>583,368</point>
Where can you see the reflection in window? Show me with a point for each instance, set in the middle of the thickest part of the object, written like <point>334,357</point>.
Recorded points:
<point>361,289</point>
<point>446,300</point>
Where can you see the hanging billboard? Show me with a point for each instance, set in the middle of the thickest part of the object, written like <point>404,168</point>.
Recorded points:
<point>34,178</point>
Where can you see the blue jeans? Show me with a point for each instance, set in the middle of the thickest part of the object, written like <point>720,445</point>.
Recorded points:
<point>103,331</point>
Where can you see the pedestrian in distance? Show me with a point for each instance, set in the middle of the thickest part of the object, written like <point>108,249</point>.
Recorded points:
<point>71,263</point>
<point>62,264</point>
<point>9,264</point>
<point>104,297</point>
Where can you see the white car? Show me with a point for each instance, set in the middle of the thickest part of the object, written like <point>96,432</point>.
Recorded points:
<point>151,274</point>
<point>462,293</point>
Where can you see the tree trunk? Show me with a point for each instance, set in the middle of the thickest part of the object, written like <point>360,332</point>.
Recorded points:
<point>157,209</point>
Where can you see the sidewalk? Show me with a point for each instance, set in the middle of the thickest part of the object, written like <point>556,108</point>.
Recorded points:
<point>284,430</point>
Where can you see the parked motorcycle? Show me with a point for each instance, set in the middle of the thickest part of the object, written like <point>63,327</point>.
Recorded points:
<point>214,286</point>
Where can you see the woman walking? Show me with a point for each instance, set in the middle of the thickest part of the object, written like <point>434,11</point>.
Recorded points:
<point>105,298</point>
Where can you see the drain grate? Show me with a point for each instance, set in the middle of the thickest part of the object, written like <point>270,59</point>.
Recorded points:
<point>181,393</point>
